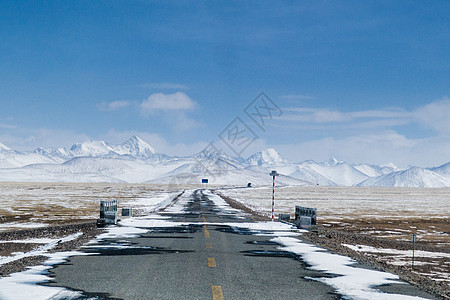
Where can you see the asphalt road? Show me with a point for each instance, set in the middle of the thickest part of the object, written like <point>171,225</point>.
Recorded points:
<point>197,261</point>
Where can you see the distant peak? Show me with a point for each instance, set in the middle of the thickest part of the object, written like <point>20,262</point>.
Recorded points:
<point>135,138</point>
<point>333,161</point>
<point>88,144</point>
<point>389,165</point>
<point>267,156</point>
<point>91,148</point>
<point>136,146</point>
<point>271,151</point>
<point>5,148</point>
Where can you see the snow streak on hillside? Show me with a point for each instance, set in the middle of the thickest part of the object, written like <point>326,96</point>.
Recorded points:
<point>137,162</point>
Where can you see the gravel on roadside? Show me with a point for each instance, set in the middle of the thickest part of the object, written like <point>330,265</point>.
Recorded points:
<point>89,230</point>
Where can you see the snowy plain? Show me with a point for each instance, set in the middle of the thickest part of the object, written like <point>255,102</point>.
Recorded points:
<point>345,205</point>
<point>388,213</point>
<point>28,205</point>
<point>25,284</point>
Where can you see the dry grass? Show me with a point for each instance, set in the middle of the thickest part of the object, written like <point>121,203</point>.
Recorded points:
<point>393,213</point>
<point>25,205</point>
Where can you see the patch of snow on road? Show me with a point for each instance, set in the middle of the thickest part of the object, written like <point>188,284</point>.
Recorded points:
<point>134,227</point>
<point>180,206</point>
<point>146,222</point>
<point>222,204</point>
<point>352,282</point>
<point>121,232</point>
<point>150,204</point>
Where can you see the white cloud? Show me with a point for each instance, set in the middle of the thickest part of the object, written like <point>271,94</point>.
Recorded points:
<point>174,108</point>
<point>30,139</point>
<point>372,136</point>
<point>436,115</point>
<point>7,126</point>
<point>378,148</point>
<point>178,101</point>
<point>111,106</point>
<point>358,136</point>
<point>324,115</point>
<point>297,97</point>
<point>165,86</point>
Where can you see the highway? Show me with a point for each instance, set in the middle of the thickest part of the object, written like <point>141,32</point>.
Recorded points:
<point>205,259</point>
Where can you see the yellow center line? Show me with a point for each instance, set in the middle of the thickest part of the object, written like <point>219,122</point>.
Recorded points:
<point>206,232</point>
<point>208,245</point>
<point>204,219</point>
<point>211,262</point>
<point>217,292</point>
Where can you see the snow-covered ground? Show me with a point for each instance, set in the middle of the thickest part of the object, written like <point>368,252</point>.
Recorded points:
<point>48,244</point>
<point>48,203</point>
<point>27,205</point>
<point>346,205</point>
<point>24,285</point>
<point>30,205</point>
<point>404,258</point>
<point>390,213</point>
<point>352,282</point>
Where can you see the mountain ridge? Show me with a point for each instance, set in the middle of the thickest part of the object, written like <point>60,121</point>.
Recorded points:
<point>136,161</point>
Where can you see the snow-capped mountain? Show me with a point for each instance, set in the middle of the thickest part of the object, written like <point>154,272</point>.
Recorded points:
<point>134,147</point>
<point>137,161</point>
<point>4,148</point>
<point>55,153</point>
<point>339,172</point>
<point>91,148</point>
<point>413,177</point>
<point>14,159</point>
<point>308,174</point>
<point>221,169</point>
<point>267,157</point>
<point>373,171</point>
<point>443,170</point>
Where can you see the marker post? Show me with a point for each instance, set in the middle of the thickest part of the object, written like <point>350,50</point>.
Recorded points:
<point>273,174</point>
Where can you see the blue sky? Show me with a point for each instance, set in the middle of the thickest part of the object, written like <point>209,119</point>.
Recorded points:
<point>363,81</point>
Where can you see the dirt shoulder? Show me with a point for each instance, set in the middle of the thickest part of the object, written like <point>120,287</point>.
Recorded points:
<point>334,240</point>
<point>89,230</point>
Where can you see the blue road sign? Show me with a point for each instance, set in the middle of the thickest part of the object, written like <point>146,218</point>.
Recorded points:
<point>204,180</point>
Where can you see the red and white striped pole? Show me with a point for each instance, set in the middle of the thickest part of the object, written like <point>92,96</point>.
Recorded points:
<point>273,174</point>
<point>273,197</point>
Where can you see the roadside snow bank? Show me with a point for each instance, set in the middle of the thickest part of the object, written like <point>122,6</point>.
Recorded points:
<point>352,282</point>
<point>42,250</point>
<point>24,285</point>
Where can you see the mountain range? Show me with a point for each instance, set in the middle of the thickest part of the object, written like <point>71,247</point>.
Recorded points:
<point>135,161</point>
